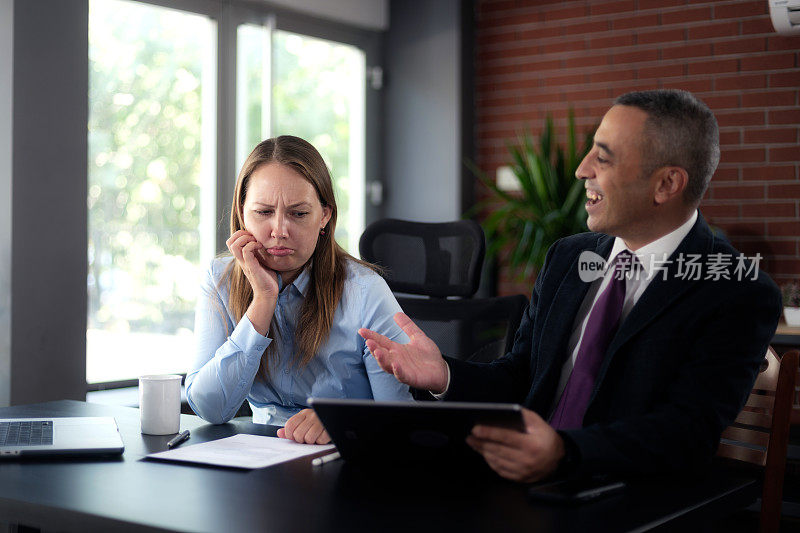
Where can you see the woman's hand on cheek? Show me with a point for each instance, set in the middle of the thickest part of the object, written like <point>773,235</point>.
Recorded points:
<point>249,254</point>
<point>305,427</point>
<point>263,280</point>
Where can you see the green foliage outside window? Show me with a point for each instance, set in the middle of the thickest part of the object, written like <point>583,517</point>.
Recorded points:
<point>311,100</point>
<point>144,169</point>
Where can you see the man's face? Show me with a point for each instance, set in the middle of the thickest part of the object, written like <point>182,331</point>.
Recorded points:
<point>619,199</point>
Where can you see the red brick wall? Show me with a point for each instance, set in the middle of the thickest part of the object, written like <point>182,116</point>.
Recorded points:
<point>539,57</point>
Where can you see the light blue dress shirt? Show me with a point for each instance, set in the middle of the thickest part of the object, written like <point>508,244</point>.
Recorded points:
<point>225,370</point>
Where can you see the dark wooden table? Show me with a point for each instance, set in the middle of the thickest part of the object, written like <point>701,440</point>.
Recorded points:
<point>133,493</point>
<point>786,338</point>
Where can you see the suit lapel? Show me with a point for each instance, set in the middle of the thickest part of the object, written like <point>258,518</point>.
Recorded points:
<point>659,295</point>
<point>557,327</point>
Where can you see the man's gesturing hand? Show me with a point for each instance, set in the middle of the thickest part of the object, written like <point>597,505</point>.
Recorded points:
<point>418,364</point>
<point>520,456</point>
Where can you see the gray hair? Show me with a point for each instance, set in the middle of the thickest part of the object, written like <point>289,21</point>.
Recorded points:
<point>680,131</point>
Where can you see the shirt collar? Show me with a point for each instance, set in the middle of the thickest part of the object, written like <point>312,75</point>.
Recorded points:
<point>658,250</point>
<point>300,282</point>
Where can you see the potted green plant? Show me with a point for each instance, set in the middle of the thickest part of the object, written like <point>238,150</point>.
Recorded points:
<point>549,206</point>
<point>791,303</point>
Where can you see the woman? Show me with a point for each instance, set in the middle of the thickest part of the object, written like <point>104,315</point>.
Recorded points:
<point>277,321</point>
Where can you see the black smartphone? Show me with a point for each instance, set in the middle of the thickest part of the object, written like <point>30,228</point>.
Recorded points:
<point>575,490</point>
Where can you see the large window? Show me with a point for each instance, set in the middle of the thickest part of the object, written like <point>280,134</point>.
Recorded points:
<point>158,135</point>
<point>152,108</point>
<point>312,88</point>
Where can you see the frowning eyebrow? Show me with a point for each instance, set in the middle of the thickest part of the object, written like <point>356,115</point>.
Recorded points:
<point>605,147</point>
<point>292,206</point>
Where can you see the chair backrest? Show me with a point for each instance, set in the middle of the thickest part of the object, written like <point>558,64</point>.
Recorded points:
<point>475,329</point>
<point>437,259</point>
<point>760,434</point>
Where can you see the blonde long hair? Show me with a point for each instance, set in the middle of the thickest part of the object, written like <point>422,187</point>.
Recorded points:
<point>328,262</point>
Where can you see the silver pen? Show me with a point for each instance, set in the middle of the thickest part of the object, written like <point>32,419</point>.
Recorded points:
<point>325,459</point>
<point>180,437</point>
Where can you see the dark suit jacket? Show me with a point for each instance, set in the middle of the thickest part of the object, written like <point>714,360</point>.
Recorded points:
<point>675,375</point>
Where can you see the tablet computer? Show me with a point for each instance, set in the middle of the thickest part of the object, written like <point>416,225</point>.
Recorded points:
<point>408,431</point>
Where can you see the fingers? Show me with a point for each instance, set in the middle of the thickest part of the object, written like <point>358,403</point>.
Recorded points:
<point>287,432</point>
<point>324,438</point>
<point>241,235</point>
<point>496,447</point>
<point>533,422</point>
<point>508,437</point>
<point>380,347</point>
<point>249,258</point>
<point>385,360</point>
<point>376,338</point>
<point>398,372</point>
<point>509,462</point>
<point>237,241</point>
<point>309,430</point>
<point>261,255</point>
<point>407,325</point>
<point>522,456</point>
<point>497,462</point>
<point>488,447</point>
<point>235,236</point>
<point>507,469</point>
<point>305,427</point>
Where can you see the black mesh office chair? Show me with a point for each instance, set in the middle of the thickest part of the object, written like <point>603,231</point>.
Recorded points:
<point>436,259</point>
<point>439,260</point>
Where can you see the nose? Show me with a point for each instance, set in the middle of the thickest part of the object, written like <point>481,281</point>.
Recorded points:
<point>279,228</point>
<point>584,171</point>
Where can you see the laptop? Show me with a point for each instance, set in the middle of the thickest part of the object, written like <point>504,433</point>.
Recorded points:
<point>427,432</point>
<point>39,437</point>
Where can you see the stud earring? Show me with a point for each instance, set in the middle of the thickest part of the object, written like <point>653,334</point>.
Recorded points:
<point>322,231</point>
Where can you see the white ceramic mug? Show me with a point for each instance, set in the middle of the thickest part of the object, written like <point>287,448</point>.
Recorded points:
<point>160,404</point>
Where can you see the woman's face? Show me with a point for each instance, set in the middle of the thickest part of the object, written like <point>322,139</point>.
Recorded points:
<point>284,214</point>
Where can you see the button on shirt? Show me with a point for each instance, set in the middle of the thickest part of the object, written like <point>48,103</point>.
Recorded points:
<point>225,370</point>
<point>651,260</point>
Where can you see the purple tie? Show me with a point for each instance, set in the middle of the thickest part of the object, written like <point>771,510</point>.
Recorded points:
<point>600,329</point>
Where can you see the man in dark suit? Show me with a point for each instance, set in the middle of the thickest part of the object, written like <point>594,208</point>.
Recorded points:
<point>639,370</point>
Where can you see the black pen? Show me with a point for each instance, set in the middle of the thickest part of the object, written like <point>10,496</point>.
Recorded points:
<point>180,437</point>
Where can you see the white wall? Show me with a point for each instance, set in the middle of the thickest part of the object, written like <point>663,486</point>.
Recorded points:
<point>369,14</point>
<point>6,82</point>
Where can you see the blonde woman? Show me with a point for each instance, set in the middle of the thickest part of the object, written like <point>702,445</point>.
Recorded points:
<point>277,320</point>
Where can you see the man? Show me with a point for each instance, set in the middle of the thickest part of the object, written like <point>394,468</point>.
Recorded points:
<point>638,371</point>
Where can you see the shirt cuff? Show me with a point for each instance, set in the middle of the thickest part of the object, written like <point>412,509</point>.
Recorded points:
<point>441,395</point>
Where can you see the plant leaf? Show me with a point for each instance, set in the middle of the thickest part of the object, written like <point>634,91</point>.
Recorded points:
<point>550,204</point>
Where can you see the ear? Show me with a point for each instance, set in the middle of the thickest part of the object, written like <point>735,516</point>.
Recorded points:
<point>670,184</point>
<point>326,215</point>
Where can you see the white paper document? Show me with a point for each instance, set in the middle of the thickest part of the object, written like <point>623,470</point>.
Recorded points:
<point>242,451</point>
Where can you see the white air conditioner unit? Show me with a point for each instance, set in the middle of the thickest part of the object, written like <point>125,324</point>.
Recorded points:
<point>785,16</point>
